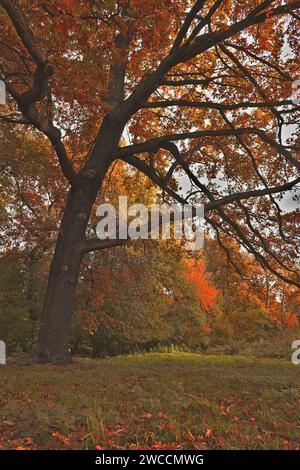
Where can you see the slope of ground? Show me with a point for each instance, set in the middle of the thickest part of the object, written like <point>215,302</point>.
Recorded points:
<point>180,401</point>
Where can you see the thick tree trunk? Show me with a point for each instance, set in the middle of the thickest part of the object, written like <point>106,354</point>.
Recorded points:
<point>57,312</point>
<point>65,266</point>
<point>63,278</point>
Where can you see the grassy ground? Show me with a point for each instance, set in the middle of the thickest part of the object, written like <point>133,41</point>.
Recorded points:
<point>179,400</point>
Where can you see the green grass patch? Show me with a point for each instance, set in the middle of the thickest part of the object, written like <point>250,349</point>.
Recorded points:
<point>170,400</point>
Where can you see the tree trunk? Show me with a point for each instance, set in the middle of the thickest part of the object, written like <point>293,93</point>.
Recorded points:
<point>63,278</point>
<point>65,266</point>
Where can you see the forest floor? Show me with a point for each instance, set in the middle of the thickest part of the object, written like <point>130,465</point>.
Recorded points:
<point>151,401</point>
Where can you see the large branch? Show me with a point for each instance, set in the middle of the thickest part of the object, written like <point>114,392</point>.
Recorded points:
<point>236,197</point>
<point>156,143</point>
<point>187,23</point>
<point>188,51</point>
<point>204,21</point>
<point>214,105</point>
<point>39,89</point>
<point>252,194</point>
<point>206,41</point>
<point>216,205</point>
<point>95,244</point>
<point>24,32</point>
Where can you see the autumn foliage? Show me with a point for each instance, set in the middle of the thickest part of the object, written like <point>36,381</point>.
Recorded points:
<point>173,100</point>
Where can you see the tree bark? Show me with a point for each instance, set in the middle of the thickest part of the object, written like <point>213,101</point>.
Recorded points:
<point>65,266</point>
<point>63,278</point>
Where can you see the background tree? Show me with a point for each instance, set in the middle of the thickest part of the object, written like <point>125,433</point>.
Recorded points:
<point>201,88</point>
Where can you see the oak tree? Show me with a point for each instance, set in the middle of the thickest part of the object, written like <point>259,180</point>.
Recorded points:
<point>201,88</point>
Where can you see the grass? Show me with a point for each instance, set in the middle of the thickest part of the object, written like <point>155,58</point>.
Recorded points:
<point>170,400</point>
